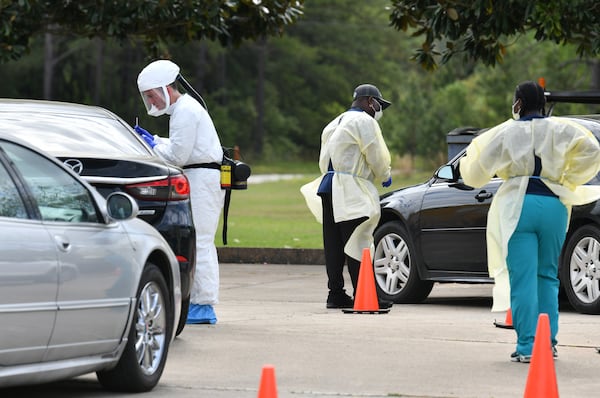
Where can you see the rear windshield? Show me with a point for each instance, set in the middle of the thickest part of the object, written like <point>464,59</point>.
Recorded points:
<point>70,135</point>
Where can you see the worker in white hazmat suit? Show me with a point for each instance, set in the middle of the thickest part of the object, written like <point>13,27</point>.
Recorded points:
<point>353,156</point>
<point>194,145</point>
<point>543,161</point>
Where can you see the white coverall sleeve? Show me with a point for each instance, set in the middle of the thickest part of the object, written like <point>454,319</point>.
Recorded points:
<point>182,138</point>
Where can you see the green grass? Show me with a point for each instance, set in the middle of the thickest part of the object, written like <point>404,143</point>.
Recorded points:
<point>274,214</point>
<point>271,214</point>
<point>287,167</point>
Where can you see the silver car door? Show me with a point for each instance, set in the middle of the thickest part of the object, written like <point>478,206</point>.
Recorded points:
<point>97,267</point>
<point>97,282</point>
<point>28,277</point>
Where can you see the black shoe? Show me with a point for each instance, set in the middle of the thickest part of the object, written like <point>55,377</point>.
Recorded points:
<point>341,300</point>
<point>385,304</point>
<point>518,357</point>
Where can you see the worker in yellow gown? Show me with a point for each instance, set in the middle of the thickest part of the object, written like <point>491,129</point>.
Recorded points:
<point>353,158</point>
<point>544,162</point>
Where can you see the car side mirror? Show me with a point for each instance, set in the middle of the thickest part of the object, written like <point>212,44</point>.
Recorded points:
<point>447,172</point>
<point>121,206</point>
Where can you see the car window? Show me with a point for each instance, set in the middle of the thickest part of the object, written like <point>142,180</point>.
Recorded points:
<point>59,196</point>
<point>11,204</point>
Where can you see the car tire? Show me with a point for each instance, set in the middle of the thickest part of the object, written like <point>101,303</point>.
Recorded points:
<point>143,359</point>
<point>580,269</point>
<point>395,266</point>
<point>185,307</point>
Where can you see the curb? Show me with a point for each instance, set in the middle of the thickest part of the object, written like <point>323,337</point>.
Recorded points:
<point>251,255</point>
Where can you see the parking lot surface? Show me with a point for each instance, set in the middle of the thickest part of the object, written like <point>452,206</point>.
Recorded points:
<point>275,314</point>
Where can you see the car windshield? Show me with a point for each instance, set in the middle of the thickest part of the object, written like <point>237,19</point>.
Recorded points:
<point>61,134</point>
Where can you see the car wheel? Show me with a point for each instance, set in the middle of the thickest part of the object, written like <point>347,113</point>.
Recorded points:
<point>580,270</point>
<point>395,266</point>
<point>143,360</point>
<point>185,307</point>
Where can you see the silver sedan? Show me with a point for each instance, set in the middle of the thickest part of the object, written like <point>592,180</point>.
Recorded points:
<point>85,286</point>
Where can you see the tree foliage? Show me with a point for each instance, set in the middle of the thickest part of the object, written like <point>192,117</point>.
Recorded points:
<point>308,77</point>
<point>482,29</point>
<point>155,21</point>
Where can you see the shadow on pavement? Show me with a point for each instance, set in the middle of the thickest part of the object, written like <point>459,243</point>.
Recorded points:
<point>476,301</point>
<point>68,388</point>
<point>460,301</point>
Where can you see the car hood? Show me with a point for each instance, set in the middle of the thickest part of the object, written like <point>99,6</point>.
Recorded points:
<point>404,191</point>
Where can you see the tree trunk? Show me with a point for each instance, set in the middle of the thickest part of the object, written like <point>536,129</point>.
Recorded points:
<point>223,77</point>
<point>48,65</point>
<point>98,84</point>
<point>201,66</point>
<point>131,100</point>
<point>595,74</point>
<point>259,130</point>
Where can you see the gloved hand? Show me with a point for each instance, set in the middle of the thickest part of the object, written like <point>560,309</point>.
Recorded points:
<point>146,136</point>
<point>142,132</point>
<point>387,183</point>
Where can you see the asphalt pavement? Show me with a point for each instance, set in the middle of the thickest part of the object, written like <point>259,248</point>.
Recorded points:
<point>275,314</point>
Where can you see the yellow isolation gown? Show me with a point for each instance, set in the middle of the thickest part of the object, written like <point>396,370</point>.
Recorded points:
<point>570,156</point>
<point>354,143</point>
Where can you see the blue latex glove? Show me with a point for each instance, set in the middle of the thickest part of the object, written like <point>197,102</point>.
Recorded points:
<point>146,136</point>
<point>387,183</point>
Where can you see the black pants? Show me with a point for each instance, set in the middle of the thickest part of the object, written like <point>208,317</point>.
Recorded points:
<point>335,237</point>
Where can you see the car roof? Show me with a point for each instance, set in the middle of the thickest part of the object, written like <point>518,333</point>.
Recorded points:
<point>54,107</point>
<point>67,129</point>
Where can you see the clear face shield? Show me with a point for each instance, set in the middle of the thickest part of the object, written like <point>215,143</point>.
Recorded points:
<point>156,100</point>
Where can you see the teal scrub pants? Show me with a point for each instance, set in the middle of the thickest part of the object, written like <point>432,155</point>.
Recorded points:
<point>533,252</point>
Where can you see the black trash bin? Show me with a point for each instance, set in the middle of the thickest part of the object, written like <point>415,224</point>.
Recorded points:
<point>459,138</point>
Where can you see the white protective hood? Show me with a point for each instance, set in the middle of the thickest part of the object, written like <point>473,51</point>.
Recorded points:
<point>152,83</point>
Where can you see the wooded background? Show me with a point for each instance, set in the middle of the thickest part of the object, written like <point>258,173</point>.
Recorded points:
<point>273,95</point>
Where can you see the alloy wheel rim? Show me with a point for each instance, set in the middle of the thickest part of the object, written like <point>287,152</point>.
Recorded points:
<point>584,270</point>
<point>392,263</point>
<point>150,329</point>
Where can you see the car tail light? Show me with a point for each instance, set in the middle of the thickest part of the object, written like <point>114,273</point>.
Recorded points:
<point>171,188</point>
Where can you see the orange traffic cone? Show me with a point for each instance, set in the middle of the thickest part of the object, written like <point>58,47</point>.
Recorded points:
<point>365,297</point>
<point>268,387</point>
<point>541,380</point>
<point>508,323</point>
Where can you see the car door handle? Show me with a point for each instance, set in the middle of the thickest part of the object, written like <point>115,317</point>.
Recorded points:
<point>62,243</point>
<point>483,195</point>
